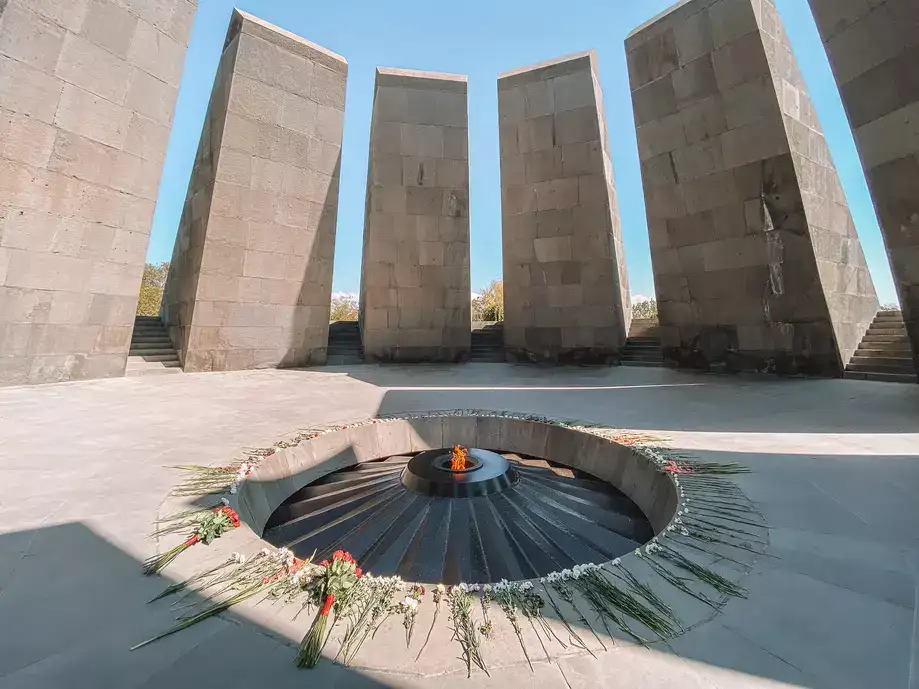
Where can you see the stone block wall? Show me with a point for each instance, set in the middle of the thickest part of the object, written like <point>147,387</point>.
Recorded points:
<point>757,264</point>
<point>415,292</point>
<point>87,91</point>
<point>874,51</point>
<point>251,275</point>
<point>566,292</point>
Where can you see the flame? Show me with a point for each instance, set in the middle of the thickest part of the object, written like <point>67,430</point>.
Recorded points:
<point>458,460</point>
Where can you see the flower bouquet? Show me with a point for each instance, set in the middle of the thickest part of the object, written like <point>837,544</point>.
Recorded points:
<point>333,589</point>
<point>264,572</point>
<point>409,609</point>
<point>212,525</point>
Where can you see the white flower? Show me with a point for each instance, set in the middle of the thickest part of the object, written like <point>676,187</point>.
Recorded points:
<point>441,588</point>
<point>265,552</point>
<point>487,588</point>
<point>238,558</point>
<point>232,489</point>
<point>225,502</point>
<point>616,562</point>
<point>526,586</point>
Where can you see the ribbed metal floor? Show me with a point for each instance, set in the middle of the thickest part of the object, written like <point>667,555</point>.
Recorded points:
<point>551,519</point>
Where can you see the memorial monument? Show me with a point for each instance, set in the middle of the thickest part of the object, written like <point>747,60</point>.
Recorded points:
<point>251,276</point>
<point>566,292</point>
<point>87,92</point>
<point>415,293</point>
<point>757,264</point>
<point>874,51</point>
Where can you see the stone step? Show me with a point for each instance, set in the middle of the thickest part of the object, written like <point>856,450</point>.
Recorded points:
<point>139,351</point>
<point>882,360</point>
<point>152,371</point>
<point>162,358</point>
<point>883,353</point>
<point>887,346</point>
<point>876,337</point>
<point>874,367</point>
<point>341,360</point>
<point>882,377</point>
<point>136,362</point>
<point>649,364</point>
<point>888,329</point>
<point>151,340</point>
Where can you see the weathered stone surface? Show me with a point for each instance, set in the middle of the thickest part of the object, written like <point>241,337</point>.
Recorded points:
<point>874,49</point>
<point>251,275</point>
<point>566,293</point>
<point>84,124</point>
<point>415,299</point>
<point>757,264</point>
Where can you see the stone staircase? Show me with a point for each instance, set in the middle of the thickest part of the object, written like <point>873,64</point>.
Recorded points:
<point>884,354</point>
<point>345,345</point>
<point>487,342</point>
<point>643,346</point>
<point>151,351</point>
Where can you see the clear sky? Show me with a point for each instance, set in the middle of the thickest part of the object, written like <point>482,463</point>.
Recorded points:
<point>481,38</point>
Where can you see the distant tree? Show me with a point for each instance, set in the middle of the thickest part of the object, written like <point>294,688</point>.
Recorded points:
<point>890,307</point>
<point>151,288</point>
<point>645,309</point>
<point>489,306</point>
<point>344,308</point>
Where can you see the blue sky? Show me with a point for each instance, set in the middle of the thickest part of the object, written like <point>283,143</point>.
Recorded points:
<point>481,39</point>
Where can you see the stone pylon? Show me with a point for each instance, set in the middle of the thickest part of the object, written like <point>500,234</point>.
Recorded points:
<point>566,292</point>
<point>874,51</point>
<point>251,277</point>
<point>87,92</point>
<point>415,297</point>
<point>757,263</point>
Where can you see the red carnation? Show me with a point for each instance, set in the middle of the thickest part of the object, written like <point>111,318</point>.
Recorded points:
<point>324,563</point>
<point>358,573</point>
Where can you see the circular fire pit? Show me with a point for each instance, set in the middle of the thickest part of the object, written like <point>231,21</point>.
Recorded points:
<point>453,511</point>
<point>458,473</point>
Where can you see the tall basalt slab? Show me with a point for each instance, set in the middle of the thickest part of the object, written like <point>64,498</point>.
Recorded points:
<point>415,297</point>
<point>874,52</point>
<point>757,264</point>
<point>251,276</point>
<point>87,92</point>
<point>566,293</point>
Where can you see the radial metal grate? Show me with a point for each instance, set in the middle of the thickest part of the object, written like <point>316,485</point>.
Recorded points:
<point>549,518</point>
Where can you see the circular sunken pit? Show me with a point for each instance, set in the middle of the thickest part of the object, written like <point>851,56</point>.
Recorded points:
<point>532,495</point>
<point>429,517</point>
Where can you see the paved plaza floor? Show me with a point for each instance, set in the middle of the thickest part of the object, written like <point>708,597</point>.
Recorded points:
<point>836,476</point>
